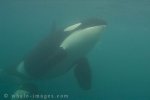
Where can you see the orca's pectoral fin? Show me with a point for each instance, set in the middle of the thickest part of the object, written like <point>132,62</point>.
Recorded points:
<point>83,74</point>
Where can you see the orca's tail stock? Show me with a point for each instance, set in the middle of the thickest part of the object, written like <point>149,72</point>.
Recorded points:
<point>25,86</point>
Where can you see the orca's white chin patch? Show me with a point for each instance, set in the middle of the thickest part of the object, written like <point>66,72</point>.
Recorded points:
<point>82,40</point>
<point>94,30</point>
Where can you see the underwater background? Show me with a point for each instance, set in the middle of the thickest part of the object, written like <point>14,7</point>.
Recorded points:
<point>120,62</point>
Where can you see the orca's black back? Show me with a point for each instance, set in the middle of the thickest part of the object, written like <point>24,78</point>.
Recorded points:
<point>36,63</point>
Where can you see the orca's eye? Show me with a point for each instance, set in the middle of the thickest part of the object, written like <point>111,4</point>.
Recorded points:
<point>72,27</point>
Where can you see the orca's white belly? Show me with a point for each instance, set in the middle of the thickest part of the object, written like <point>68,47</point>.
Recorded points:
<point>81,41</point>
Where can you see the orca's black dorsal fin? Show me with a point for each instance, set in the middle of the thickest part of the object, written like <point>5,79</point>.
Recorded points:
<point>82,72</point>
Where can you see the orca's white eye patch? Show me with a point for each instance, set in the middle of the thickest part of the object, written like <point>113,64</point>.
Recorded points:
<point>70,28</point>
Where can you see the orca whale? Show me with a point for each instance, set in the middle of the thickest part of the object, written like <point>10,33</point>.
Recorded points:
<point>61,51</point>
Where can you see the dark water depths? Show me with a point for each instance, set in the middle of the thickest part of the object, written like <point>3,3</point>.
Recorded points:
<point>120,63</point>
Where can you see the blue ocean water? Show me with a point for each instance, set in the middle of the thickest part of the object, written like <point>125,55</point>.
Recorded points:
<point>120,62</point>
